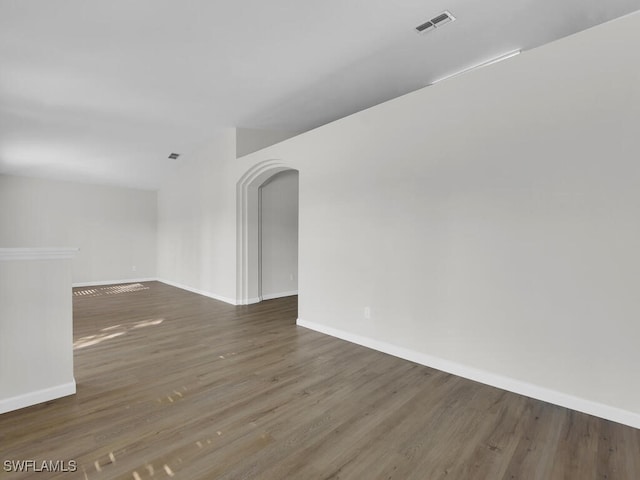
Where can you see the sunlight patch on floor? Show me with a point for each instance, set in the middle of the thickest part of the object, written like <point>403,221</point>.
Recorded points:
<point>113,332</point>
<point>110,290</point>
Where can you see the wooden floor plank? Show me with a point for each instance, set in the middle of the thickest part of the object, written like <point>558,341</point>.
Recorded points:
<point>176,385</point>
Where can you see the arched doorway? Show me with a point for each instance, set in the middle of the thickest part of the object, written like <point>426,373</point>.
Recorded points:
<point>278,254</point>
<point>248,228</point>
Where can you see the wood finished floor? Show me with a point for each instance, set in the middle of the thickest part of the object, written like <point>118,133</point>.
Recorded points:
<point>172,384</point>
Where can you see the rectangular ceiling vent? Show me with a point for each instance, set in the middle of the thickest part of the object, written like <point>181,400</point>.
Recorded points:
<point>435,22</point>
<point>173,156</point>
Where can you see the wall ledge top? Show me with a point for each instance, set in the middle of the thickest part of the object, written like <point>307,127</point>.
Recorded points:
<point>49,253</point>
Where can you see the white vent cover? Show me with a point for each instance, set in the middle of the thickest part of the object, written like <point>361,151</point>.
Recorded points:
<point>435,22</point>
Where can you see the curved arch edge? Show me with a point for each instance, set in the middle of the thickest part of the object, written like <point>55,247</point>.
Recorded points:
<point>247,272</point>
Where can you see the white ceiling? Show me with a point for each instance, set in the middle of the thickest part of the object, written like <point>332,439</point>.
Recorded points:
<point>104,91</point>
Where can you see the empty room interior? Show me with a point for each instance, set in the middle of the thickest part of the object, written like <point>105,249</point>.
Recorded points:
<point>320,240</point>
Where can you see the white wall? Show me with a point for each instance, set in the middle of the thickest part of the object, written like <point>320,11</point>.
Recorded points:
<point>249,140</point>
<point>115,228</point>
<point>197,223</point>
<point>490,222</point>
<point>279,235</point>
<point>36,344</point>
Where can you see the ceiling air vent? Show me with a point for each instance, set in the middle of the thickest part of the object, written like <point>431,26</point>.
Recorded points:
<point>435,22</point>
<point>425,26</point>
<point>173,156</point>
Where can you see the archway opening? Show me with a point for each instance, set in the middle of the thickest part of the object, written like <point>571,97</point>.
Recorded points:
<point>278,236</point>
<point>249,242</point>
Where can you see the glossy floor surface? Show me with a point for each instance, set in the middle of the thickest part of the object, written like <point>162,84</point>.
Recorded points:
<point>176,385</point>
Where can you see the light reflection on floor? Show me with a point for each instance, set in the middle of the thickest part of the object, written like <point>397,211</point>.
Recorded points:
<point>109,290</point>
<point>108,332</point>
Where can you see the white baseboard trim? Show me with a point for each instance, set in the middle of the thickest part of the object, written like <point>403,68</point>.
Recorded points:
<point>113,282</point>
<point>199,292</point>
<point>271,296</point>
<point>39,396</point>
<point>572,402</point>
<point>37,253</point>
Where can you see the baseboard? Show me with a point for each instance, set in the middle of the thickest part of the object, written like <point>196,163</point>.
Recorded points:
<point>39,396</point>
<point>113,282</point>
<point>271,296</point>
<point>555,397</point>
<point>37,253</point>
<point>199,292</point>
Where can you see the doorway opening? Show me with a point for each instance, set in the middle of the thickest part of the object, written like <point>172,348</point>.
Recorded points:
<point>278,236</point>
<point>260,180</point>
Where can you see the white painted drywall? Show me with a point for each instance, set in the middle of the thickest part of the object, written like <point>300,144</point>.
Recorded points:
<point>279,235</point>
<point>197,221</point>
<point>489,222</point>
<point>115,228</point>
<point>249,140</point>
<point>36,338</point>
